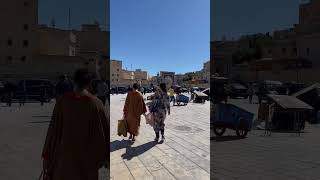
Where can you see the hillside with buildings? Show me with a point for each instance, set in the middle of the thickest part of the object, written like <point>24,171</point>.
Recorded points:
<point>287,55</point>
<point>123,77</point>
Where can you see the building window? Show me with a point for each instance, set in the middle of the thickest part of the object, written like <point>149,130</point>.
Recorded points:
<point>112,74</point>
<point>112,79</point>
<point>9,42</point>
<point>26,27</point>
<point>9,60</point>
<point>23,58</point>
<point>118,75</point>
<point>308,51</point>
<point>25,43</point>
<point>269,51</point>
<point>118,69</point>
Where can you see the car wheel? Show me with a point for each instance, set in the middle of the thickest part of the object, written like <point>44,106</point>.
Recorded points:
<point>219,131</point>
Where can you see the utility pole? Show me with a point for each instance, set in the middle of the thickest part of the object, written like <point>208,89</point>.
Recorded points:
<point>69,19</point>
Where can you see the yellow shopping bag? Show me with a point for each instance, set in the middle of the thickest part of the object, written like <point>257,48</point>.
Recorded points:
<point>122,128</point>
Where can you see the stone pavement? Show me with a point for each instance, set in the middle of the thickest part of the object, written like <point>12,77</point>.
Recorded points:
<point>280,156</point>
<point>22,134</point>
<point>185,153</point>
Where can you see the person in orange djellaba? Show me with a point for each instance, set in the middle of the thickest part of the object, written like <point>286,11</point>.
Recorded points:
<point>133,109</point>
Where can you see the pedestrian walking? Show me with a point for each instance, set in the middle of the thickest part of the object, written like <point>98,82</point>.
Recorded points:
<point>9,89</point>
<point>171,95</point>
<point>102,91</point>
<point>250,92</point>
<point>145,91</point>
<point>133,109</point>
<point>42,94</point>
<point>159,108</point>
<point>77,142</point>
<point>63,86</point>
<point>23,95</point>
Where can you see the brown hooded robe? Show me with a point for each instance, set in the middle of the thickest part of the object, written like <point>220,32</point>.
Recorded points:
<point>133,109</point>
<point>77,142</point>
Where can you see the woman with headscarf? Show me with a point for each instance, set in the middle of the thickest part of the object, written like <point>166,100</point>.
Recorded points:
<point>159,108</point>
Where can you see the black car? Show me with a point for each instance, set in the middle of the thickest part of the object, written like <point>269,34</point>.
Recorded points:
<point>148,90</point>
<point>35,89</point>
<point>238,90</point>
<point>121,90</point>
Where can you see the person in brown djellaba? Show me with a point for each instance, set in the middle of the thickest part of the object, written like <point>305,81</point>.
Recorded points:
<point>133,109</point>
<point>77,142</point>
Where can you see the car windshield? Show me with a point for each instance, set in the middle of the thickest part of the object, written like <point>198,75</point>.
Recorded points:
<point>238,86</point>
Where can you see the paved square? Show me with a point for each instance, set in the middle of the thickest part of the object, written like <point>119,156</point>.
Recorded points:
<point>22,134</point>
<point>185,153</point>
<point>281,156</point>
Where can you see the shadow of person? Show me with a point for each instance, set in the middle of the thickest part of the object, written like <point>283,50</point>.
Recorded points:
<point>116,145</point>
<point>136,151</point>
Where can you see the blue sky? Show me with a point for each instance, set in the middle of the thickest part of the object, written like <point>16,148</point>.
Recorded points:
<point>160,35</point>
<point>82,12</point>
<point>234,18</point>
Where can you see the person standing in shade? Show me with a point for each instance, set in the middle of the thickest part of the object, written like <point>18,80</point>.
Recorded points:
<point>63,86</point>
<point>78,137</point>
<point>159,109</point>
<point>250,92</point>
<point>133,109</point>
<point>102,91</point>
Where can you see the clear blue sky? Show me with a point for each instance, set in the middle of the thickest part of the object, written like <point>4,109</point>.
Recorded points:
<point>161,35</point>
<point>234,18</point>
<point>82,12</point>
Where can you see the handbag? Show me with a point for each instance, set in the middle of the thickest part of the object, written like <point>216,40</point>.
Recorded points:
<point>122,127</point>
<point>149,119</point>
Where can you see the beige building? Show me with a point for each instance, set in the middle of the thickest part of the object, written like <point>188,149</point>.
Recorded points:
<point>18,40</point>
<point>29,50</point>
<point>115,72</point>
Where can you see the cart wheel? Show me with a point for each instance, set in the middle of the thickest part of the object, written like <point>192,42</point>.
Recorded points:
<point>219,131</point>
<point>242,133</point>
<point>178,103</point>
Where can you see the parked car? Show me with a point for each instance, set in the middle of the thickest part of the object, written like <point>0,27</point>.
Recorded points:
<point>121,90</point>
<point>238,90</point>
<point>184,90</point>
<point>195,89</point>
<point>148,90</point>
<point>33,89</point>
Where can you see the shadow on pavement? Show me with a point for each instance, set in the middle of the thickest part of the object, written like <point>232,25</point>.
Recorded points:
<point>136,151</point>
<point>116,145</point>
<point>225,138</point>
